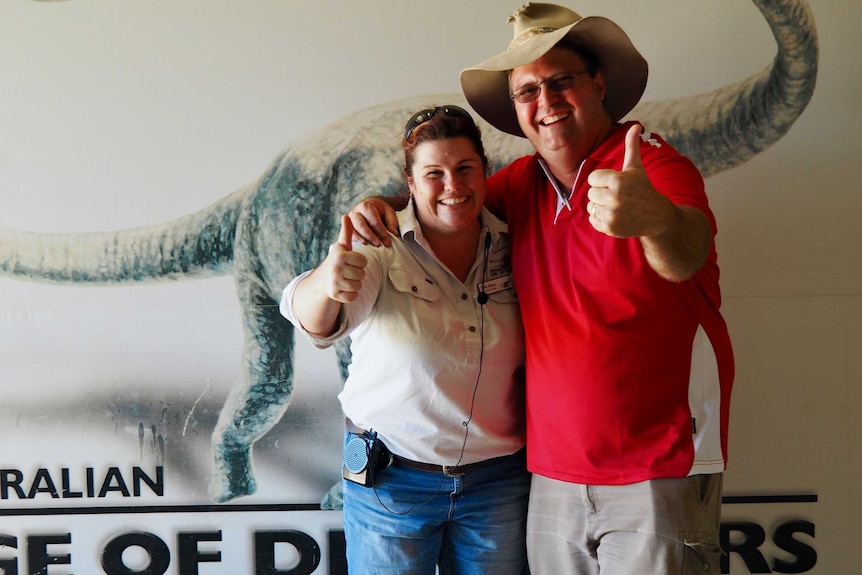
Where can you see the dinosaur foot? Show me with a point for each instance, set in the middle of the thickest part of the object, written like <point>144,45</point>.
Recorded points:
<point>232,475</point>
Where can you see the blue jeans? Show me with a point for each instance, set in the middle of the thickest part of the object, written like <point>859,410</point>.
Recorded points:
<point>411,521</point>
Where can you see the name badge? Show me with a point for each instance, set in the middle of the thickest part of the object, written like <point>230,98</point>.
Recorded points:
<point>496,285</point>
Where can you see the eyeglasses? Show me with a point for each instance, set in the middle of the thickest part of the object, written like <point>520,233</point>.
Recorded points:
<point>560,83</point>
<point>423,116</point>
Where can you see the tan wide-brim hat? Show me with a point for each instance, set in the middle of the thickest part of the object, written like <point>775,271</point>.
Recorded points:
<point>538,28</point>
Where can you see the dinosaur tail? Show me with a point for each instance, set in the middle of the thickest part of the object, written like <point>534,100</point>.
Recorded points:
<point>198,244</point>
<point>727,127</point>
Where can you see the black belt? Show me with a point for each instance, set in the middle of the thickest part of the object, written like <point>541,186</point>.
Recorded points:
<point>448,470</point>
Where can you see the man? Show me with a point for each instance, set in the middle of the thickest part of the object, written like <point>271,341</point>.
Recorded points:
<point>629,364</point>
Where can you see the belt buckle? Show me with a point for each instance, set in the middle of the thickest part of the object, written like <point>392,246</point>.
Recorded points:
<point>449,471</point>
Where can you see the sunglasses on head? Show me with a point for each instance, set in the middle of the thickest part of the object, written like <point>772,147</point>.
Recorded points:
<point>423,116</point>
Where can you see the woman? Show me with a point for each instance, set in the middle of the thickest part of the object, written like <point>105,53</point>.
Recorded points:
<point>434,466</point>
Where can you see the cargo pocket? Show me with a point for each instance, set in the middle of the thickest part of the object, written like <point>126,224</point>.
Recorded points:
<point>702,557</point>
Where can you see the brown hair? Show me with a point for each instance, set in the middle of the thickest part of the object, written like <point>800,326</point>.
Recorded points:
<point>442,126</point>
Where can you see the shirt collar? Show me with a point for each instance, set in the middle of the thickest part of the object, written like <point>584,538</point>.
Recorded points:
<point>606,151</point>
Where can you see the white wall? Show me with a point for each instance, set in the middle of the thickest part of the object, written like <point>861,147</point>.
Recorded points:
<point>120,114</point>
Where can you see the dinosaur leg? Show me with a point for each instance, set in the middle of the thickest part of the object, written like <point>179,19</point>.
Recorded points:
<point>334,498</point>
<point>342,351</point>
<point>258,402</point>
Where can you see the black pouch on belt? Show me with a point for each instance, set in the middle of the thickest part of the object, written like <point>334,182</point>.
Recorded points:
<point>364,454</point>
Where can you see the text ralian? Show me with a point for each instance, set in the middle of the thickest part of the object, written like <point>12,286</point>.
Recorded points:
<point>87,483</point>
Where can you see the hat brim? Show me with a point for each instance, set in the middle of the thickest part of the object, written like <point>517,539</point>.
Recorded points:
<point>486,85</point>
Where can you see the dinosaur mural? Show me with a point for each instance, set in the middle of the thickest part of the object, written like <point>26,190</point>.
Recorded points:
<point>283,222</point>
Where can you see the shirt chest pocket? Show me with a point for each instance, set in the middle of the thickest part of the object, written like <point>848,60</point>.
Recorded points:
<point>506,296</point>
<point>416,312</point>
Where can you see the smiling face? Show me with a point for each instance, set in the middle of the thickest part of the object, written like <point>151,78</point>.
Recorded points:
<point>572,122</point>
<point>447,182</point>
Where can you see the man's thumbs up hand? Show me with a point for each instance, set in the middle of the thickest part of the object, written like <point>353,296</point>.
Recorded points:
<point>624,203</point>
